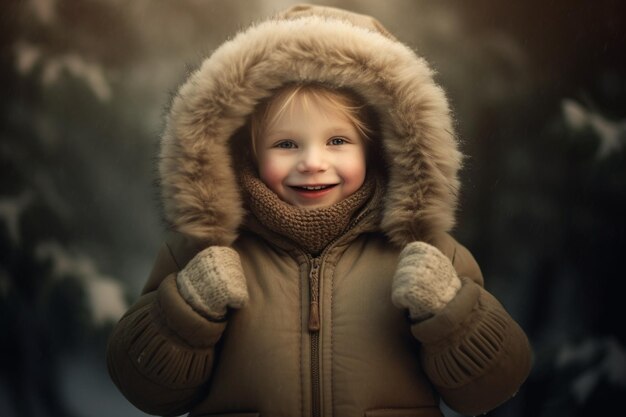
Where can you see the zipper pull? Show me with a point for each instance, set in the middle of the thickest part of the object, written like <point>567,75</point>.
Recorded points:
<point>314,317</point>
<point>314,308</point>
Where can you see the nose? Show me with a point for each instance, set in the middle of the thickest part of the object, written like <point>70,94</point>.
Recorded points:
<point>313,160</point>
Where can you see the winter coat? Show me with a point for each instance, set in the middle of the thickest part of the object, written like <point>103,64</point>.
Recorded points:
<point>366,358</point>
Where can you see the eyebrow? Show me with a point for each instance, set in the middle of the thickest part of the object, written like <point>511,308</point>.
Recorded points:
<point>332,131</point>
<point>283,132</point>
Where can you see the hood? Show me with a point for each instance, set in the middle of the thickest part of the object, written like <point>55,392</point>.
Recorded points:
<point>199,187</point>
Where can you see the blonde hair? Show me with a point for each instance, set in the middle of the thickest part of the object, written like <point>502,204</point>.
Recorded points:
<point>284,100</point>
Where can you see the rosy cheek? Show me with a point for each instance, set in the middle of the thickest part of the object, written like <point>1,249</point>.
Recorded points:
<point>271,174</point>
<point>355,173</point>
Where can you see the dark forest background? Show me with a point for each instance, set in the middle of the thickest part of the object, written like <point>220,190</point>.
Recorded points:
<point>539,93</point>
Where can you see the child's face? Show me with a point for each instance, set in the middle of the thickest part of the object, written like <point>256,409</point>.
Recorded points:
<point>311,158</point>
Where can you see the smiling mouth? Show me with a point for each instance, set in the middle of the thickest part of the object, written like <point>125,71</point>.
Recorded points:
<point>312,187</point>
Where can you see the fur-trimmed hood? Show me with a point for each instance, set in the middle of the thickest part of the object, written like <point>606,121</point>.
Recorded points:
<point>306,43</point>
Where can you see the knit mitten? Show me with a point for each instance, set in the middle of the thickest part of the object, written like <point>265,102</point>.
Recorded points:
<point>424,282</point>
<point>212,281</point>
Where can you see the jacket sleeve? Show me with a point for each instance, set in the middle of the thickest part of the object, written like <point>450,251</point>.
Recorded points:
<point>474,353</point>
<point>161,352</point>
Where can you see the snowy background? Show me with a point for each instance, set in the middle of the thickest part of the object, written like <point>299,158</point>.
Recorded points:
<point>539,93</point>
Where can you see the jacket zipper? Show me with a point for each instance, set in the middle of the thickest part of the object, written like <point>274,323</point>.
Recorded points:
<point>314,330</point>
<point>315,323</point>
<point>314,305</point>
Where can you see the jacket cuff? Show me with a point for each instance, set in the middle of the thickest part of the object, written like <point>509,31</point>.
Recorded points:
<point>474,353</point>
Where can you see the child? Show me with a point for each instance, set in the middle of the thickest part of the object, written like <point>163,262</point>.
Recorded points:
<point>309,173</point>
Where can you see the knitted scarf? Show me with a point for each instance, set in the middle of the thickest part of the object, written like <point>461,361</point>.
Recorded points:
<point>311,229</point>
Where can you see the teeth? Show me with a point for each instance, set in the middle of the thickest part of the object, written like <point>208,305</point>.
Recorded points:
<point>317,187</point>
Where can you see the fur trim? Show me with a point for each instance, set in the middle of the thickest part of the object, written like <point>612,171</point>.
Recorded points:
<point>199,188</point>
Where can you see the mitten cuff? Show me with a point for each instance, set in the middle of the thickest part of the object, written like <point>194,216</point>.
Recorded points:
<point>425,281</point>
<point>212,281</point>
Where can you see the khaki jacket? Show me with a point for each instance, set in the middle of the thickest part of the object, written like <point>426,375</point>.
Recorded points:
<point>365,358</point>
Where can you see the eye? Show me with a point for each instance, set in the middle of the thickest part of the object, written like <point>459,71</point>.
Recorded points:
<point>285,144</point>
<point>337,141</point>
